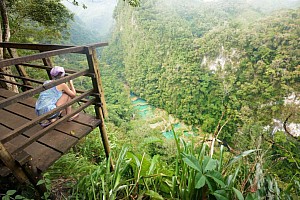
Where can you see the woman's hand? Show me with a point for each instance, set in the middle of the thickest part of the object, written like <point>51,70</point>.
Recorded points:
<point>70,90</point>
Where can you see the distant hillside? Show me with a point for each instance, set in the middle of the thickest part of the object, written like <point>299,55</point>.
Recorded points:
<point>97,17</point>
<point>192,59</point>
<point>270,5</point>
<point>80,34</point>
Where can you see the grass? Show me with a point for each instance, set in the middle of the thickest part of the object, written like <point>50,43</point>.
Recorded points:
<point>152,167</point>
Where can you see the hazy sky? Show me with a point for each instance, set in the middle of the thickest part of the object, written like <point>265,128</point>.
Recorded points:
<point>98,14</point>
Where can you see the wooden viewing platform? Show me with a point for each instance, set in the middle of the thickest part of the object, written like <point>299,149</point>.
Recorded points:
<point>26,148</point>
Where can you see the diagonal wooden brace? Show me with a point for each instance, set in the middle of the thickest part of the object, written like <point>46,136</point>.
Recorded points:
<point>14,166</point>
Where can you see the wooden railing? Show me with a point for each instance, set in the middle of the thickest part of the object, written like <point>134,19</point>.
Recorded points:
<point>93,96</point>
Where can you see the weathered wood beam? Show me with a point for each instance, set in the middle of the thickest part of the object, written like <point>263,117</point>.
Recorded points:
<point>22,77</point>
<point>20,60</point>
<point>32,80</point>
<point>34,176</point>
<point>100,110</point>
<point>21,70</point>
<point>48,62</point>
<point>97,83</point>
<point>16,83</point>
<point>45,47</point>
<point>9,162</point>
<point>46,67</point>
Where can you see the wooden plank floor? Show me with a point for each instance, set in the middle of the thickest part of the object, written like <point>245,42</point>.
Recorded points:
<point>46,150</point>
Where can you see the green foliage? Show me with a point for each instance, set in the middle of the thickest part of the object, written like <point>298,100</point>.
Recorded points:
<point>194,174</point>
<point>117,97</point>
<point>91,147</point>
<point>100,183</point>
<point>285,159</point>
<point>8,194</point>
<point>202,61</point>
<point>241,177</point>
<point>134,3</point>
<point>38,21</point>
<point>216,63</point>
<point>47,182</point>
<point>12,194</point>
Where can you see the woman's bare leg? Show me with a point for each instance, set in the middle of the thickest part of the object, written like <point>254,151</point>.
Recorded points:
<point>63,100</point>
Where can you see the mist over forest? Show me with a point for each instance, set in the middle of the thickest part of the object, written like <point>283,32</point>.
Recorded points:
<point>97,17</point>
<point>98,14</point>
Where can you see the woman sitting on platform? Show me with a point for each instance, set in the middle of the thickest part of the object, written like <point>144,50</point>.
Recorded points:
<point>55,96</point>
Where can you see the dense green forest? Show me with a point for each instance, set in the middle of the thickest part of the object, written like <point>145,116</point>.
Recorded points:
<point>198,67</point>
<point>225,68</point>
<point>226,64</point>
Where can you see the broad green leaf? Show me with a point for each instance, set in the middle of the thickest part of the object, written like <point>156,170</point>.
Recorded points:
<point>245,153</point>
<point>133,157</point>
<point>209,164</point>
<point>154,195</point>
<point>191,161</point>
<point>203,149</point>
<point>11,192</point>
<point>19,197</point>
<point>207,181</point>
<point>251,196</point>
<point>231,179</point>
<point>40,182</point>
<point>166,186</point>
<point>201,182</point>
<point>154,160</point>
<point>217,177</point>
<point>220,195</point>
<point>238,194</point>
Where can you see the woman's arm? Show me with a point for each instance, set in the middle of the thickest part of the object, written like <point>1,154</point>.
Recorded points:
<point>69,90</point>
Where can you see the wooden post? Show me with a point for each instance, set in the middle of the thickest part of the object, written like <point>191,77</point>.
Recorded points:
<point>15,168</point>
<point>48,62</point>
<point>97,82</point>
<point>100,110</point>
<point>34,177</point>
<point>21,70</point>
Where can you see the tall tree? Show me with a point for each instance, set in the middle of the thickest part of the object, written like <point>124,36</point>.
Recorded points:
<point>4,37</point>
<point>31,21</point>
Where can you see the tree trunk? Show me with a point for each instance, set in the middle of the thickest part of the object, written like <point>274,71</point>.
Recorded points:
<point>5,36</point>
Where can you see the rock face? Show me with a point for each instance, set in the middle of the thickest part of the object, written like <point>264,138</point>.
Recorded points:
<point>293,128</point>
<point>292,99</point>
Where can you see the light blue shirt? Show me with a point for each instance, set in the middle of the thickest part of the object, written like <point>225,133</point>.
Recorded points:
<point>47,100</point>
